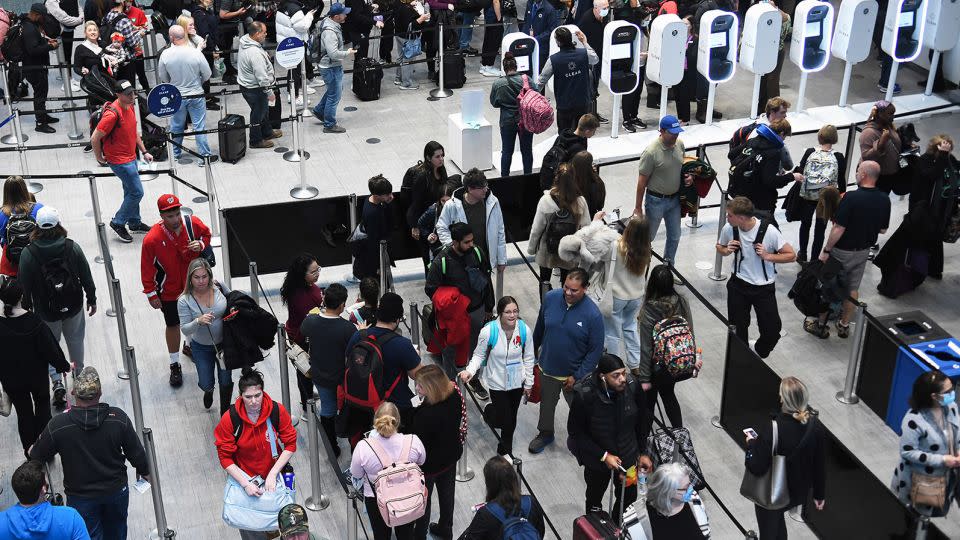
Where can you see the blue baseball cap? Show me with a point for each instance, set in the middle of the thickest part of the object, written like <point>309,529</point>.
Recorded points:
<point>338,9</point>
<point>670,124</point>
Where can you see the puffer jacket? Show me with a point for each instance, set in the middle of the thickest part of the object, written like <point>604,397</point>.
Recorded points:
<point>247,328</point>
<point>602,421</point>
<point>537,243</point>
<point>293,22</point>
<point>453,323</point>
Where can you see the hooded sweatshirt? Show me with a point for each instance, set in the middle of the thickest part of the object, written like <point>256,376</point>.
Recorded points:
<point>28,345</point>
<point>255,70</point>
<point>31,275</point>
<point>252,451</point>
<point>453,212</point>
<point>94,443</point>
<point>767,178</point>
<point>42,522</point>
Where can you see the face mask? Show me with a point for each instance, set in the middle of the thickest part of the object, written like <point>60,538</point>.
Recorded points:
<point>688,494</point>
<point>603,12</point>
<point>947,399</point>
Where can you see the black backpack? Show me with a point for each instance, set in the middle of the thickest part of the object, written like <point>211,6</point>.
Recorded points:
<point>551,161</point>
<point>743,165</point>
<point>19,229</point>
<point>12,47</point>
<point>98,113</point>
<point>61,286</point>
<point>363,384</point>
<point>739,138</point>
<point>561,224</point>
<point>761,233</point>
<point>108,28</point>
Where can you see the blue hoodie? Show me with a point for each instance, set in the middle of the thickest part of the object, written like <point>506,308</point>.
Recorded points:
<point>571,338</point>
<point>42,522</point>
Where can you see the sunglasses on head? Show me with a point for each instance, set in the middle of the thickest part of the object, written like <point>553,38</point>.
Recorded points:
<point>882,104</point>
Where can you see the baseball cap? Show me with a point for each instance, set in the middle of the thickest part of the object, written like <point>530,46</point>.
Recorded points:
<point>338,9</point>
<point>168,202</point>
<point>39,8</point>
<point>48,217</point>
<point>126,87</point>
<point>670,124</point>
<point>87,384</point>
<point>292,519</point>
<point>390,308</point>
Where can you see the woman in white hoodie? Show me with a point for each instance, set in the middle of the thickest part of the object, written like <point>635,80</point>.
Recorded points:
<point>505,352</point>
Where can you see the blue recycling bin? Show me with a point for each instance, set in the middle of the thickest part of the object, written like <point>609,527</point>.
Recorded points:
<point>942,354</point>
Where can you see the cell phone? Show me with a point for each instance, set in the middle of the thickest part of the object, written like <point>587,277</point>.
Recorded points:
<point>612,216</point>
<point>142,486</point>
<point>257,481</point>
<point>750,433</point>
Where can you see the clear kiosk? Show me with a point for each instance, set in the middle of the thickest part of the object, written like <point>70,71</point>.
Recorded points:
<point>620,64</point>
<point>717,51</point>
<point>810,44</point>
<point>526,50</point>
<point>759,45</point>
<point>665,57</point>
<point>853,37</point>
<point>902,35</point>
<point>943,24</point>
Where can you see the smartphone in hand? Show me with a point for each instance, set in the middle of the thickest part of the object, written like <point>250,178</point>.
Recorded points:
<point>750,433</point>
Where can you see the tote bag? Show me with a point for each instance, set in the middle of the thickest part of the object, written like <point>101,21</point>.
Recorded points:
<point>241,511</point>
<point>770,490</point>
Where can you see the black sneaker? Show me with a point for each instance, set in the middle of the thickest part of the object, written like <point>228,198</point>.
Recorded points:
<point>540,442</point>
<point>44,128</point>
<point>87,148</point>
<point>478,389</point>
<point>140,228</point>
<point>207,399</point>
<point>602,119</point>
<point>176,375</point>
<point>59,395</point>
<point>628,125</point>
<point>470,51</point>
<point>638,123</point>
<point>121,232</point>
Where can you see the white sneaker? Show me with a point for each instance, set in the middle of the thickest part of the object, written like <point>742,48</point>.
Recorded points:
<point>75,85</point>
<point>310,91</point>
<point>299,102</point>
<point>316,81</point>
<point>489,71</point>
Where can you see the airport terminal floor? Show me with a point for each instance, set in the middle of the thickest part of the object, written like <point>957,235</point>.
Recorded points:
<point>386,137</point>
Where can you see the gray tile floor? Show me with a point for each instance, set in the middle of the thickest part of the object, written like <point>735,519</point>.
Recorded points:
<point>192,478</point>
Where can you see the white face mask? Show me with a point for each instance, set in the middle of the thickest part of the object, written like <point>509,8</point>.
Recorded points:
<point>604,12</point>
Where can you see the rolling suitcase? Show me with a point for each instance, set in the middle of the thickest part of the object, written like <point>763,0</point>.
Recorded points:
<point>454,70</point>
<point>598,525</point>
<point>232,137</point>
<point>367,75</point>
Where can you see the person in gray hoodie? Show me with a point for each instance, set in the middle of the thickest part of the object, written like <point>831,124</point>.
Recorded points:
<point>255,77</point>
<point>332,55</point>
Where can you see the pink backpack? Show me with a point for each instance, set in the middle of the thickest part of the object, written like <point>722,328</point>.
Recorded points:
<point>400,488</point>
<point>536,114</point>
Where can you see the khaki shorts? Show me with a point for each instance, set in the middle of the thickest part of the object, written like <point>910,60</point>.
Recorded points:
<point>854,263</point>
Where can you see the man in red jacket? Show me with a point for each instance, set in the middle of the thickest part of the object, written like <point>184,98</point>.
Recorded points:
<point>167,251</point>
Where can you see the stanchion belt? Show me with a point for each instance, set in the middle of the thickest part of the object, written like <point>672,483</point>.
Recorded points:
<point>74,144</point>
<point>76,175</point>
<point>693,290</point>
<point>7,120</point>
<point>188,184</point>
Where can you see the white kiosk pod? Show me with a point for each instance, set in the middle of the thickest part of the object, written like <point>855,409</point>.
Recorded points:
<point>943,24</point>
<point>853,37</point>
<point>665,57</point>
<point>525,50</point>
<point>759,45</point>
<point>810,44</point>
<point>620,64</point>
<point>554,48</point>
<point>902,35</point>
<point>717,51</point>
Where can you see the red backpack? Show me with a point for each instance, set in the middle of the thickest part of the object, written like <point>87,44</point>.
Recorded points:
<point>536,114</point>
<point>363,384</point>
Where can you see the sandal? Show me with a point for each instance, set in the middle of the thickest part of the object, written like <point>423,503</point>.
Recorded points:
<point>814,327</point>
<point>843,330</point>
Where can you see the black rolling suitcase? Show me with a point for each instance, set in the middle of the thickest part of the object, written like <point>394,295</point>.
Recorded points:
<point>232,137</point>
<point>367,76</point>
<point>454,70</point>
<point>275,111</point>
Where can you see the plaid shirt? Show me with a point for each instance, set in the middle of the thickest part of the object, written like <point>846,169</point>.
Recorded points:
<point>263,6</point>
<point>132,39</point>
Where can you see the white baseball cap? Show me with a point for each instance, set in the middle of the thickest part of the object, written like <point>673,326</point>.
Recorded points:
<point>48,217</point>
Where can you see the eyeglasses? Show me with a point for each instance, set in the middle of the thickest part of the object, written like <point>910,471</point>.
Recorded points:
<point>314,272</point>
<point>511,312</point>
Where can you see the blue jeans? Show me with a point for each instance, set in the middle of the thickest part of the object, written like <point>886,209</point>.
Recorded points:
<point>328,401</point>
<point>327,107</point>
<point>197,109</point>
<point>668,210</point>
<point>105,516</point>
<point>205,357</point>
<point>624,321</point>
<point>508,137</point>
<point>129,211</point>
<point>260,127</point>
<point>466,34</point>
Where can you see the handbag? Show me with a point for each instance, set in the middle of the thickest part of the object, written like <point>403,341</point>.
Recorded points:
<point>217,350</point>
<point>299,358</point>
<point>770,490</point>
<point>929,489</point>
<point>413,46</point>
<point>241,511</point>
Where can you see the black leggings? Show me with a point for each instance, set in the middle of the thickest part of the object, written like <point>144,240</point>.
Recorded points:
<point>504,405</point>
<point>380,529</point>
<point>819,228</point>
<point>770,523</point>
<point>547,273</point>
<point>663,385</point>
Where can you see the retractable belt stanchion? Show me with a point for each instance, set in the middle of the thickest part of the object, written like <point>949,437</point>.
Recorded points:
<point>464,472</point>
<point>317,500</point>
<point>353,516</point>
<point>285,372</point>
<point>162,531</point>
<point>415,326</point>
<point>717,275</point>
<point>130,357</point>
<point>98,219</point>
<point>13,137</point>
<point>74,134</point>
<point>299,154</point>
<point>121,325</point>
<point>254,283</point>
<point>440,92</point>
<point>292,154</point>
<point>212,199</point>
<point>848,395</point>
<point>224,249</point>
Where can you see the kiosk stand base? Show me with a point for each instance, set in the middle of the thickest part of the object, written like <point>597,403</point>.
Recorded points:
<point>470,146</point>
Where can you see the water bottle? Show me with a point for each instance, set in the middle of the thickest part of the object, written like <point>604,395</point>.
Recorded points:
<point>642,486</point>
<point>288,477</point>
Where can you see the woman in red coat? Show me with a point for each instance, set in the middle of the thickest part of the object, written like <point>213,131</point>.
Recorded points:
<point>250,454</point>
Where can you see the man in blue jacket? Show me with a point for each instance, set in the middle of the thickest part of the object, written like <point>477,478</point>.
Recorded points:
<point>569,336</point>
<point>35,518</point>
<point>540,20</point>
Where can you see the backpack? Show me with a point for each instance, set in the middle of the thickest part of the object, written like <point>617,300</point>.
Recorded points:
<point>674,347</point>
<point>11,36</point>
<point>761,233</point>
<point>739,139</point>
<point>551,161</point>
<point>515,527</point>
<point>399,486</point>
<point>743,165</point>
<point>536,114</point>
<point>98,113</point>
<point>238,423</point>
<point>19,228</point>
<point>495,336</point>
<point>107,28</point>
<point>561,224</point>
<point>428,323</point>
<point>60,285</point>
<point>363,384</point>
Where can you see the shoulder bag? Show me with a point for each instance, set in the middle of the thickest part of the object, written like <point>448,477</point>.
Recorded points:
<point>216,348</point>
<point>928,489</point>
<point>412,46</point>
<point>770,490</point>
<point>241,511</point>
<point>299,357</point>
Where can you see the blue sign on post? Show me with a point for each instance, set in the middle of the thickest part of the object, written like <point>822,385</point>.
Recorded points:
<point>164,100</point>
<point>290,52</point>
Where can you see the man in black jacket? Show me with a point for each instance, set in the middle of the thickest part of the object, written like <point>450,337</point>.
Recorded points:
<point>760,175</point>
<point>565,146</point>
<point>36,53</point>
<point>93,440</point>
<point>607,432</point>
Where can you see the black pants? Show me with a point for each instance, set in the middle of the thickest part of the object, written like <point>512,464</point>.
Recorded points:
<point>38,80</point>
<point>228,31</point>
<point>630,104</point>
<point>126,72</point>
<point>32,404</point>
<point>770,523</point>
<point>380,529</point>
<point>547,273</point>
<point>663,385</point>
<point>492,35</point>
<point>809,209</point>
<point>386,44</point>
<point>685,92</point>
<point>504,405</point>
<point>741,296</point>
<point>139,65</point>
<point>445,485</point>
<point>568,118</point>
<point>66,39</point>
<point>884,183</point>
<point>360,42</point>
<point>770,83</point>
<point>597,481</point>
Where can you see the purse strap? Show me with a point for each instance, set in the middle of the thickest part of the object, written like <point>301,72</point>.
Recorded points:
<point>216,349</point>
<point>773,448</point>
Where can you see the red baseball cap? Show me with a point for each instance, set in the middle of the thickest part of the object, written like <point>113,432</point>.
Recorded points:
<point>168,202</point>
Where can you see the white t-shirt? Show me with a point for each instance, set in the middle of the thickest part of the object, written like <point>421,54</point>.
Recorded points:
<point>748,265</point>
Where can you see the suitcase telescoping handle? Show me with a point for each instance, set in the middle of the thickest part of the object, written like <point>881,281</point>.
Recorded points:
<point>623,490</point>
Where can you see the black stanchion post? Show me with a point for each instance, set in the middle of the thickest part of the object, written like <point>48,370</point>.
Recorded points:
<point>317,500</point>
<point>848,395</point>
<point>150,50</point>
<point>162,531</point>
<point>13,137</point>
<point>121,326</point>
<point>74,134</point>
<point>441,92</point>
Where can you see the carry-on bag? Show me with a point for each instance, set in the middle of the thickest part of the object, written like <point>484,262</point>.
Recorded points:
<point>232,138</point>
<point>454,70</point>
<point>598,525</point>
<point>367,76</point>
<point>674,445</point>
